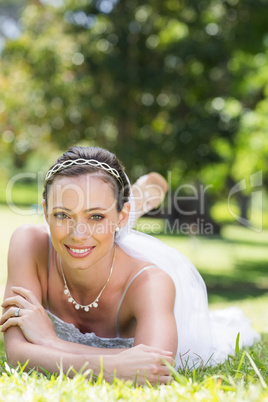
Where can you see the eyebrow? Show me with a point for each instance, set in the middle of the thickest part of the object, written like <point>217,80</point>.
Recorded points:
<point>86,210</point>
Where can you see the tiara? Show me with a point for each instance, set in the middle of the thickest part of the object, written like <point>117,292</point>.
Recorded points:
<point>90,162</point>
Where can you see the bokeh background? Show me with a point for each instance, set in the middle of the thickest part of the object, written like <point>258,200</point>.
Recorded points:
<point>178,87</point>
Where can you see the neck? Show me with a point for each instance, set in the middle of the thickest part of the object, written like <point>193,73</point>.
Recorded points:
<point>93,303</point>
<point>87,280</point>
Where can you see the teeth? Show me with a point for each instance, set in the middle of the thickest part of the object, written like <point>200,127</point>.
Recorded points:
<point>80,250</point>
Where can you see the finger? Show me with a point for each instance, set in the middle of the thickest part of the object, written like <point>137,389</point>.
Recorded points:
<point>168,360</point>
<point>18,301</point>
<point>166,352</point>
<point>160,370</point>
<point>156,378</point>
<point>155,350</point>
<point>166,379</point>
<point>26,293</point>
<point>165,371</point>
<point>10,313</point>
<point>11,322</point>
<point>162,360</point>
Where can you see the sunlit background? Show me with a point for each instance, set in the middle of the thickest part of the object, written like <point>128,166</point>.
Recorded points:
<point>177,87</point>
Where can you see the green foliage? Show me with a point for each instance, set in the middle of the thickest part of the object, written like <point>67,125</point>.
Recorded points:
<point>166,85</point>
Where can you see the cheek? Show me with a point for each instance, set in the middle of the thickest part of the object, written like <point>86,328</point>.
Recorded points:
<point>59,228</point>
<point>103,229</point>
<point>58,234</point>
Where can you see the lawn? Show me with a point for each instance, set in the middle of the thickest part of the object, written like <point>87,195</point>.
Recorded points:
<point>234,266</point>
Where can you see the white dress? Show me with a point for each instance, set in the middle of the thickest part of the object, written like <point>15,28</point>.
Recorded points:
<point>204,337</point>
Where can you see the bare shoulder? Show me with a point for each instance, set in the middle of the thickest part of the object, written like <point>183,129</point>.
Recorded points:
<point>27,255</point>
<point>154,277</point>
<point>28,235</point>
<point>148,277</point>
<point>28,243</point>
<point>152,290</point>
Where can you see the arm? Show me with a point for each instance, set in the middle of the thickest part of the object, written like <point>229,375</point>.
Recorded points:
<point>27,244</point>
<point>38,356</point>
<point>153,310</point>
<point>142,362</point>
<point>36,326</point>
<point>23,289</point>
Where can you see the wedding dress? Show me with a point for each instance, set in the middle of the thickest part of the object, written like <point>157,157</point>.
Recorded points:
<point>204,337</point>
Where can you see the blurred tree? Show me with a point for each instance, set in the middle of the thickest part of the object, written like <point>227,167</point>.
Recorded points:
<point>166,85</point>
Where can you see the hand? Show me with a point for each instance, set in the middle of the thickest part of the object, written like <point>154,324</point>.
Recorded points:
<point>145,364</point>
<point>32,319</point>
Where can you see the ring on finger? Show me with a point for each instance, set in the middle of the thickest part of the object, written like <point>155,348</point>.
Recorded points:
<point>17,312</point>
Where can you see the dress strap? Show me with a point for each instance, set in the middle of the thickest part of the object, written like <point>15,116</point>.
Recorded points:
<point>48,264</point>
<point>122,298</point>
<point>49,252</point>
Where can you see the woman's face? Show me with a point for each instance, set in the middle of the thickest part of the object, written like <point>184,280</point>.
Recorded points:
<point>82,216</point>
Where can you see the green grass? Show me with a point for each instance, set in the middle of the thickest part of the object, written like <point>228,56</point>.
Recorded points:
<point>242,377</point>
<point>20,194</point>
<point>234,266</point>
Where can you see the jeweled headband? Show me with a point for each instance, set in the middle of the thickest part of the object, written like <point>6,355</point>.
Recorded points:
<point>90,162</point>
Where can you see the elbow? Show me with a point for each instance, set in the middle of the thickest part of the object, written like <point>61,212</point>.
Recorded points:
<point>14,357</point>
<point>11,361</point>
<point>16,353</point>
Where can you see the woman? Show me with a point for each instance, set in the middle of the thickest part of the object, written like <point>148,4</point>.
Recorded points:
<point>90,288</point>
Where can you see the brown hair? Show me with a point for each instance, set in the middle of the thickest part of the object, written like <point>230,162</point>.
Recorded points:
<point>121,194</point>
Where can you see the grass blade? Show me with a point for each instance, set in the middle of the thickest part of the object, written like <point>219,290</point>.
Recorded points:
<point>257,371</point>
<point>237,349</point>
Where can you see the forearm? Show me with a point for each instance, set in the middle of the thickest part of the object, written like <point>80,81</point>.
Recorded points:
<point>79,349</point>
<point>142,363</point>
<point>52,360</point>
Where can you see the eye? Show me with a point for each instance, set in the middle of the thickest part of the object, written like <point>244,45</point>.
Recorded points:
<point>61,215</point>
<point>97,217</point>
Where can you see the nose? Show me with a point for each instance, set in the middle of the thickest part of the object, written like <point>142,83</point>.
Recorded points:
<point>79,231</point>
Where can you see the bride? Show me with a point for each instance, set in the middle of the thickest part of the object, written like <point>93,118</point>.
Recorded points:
<point>86,290</point>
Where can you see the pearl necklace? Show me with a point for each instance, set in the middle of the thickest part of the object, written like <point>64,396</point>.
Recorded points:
<point>94,304</point>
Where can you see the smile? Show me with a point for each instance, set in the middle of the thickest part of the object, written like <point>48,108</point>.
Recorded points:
<point>79,252</point>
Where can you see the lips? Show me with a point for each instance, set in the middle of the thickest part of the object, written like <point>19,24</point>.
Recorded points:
<point>79,252</point>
